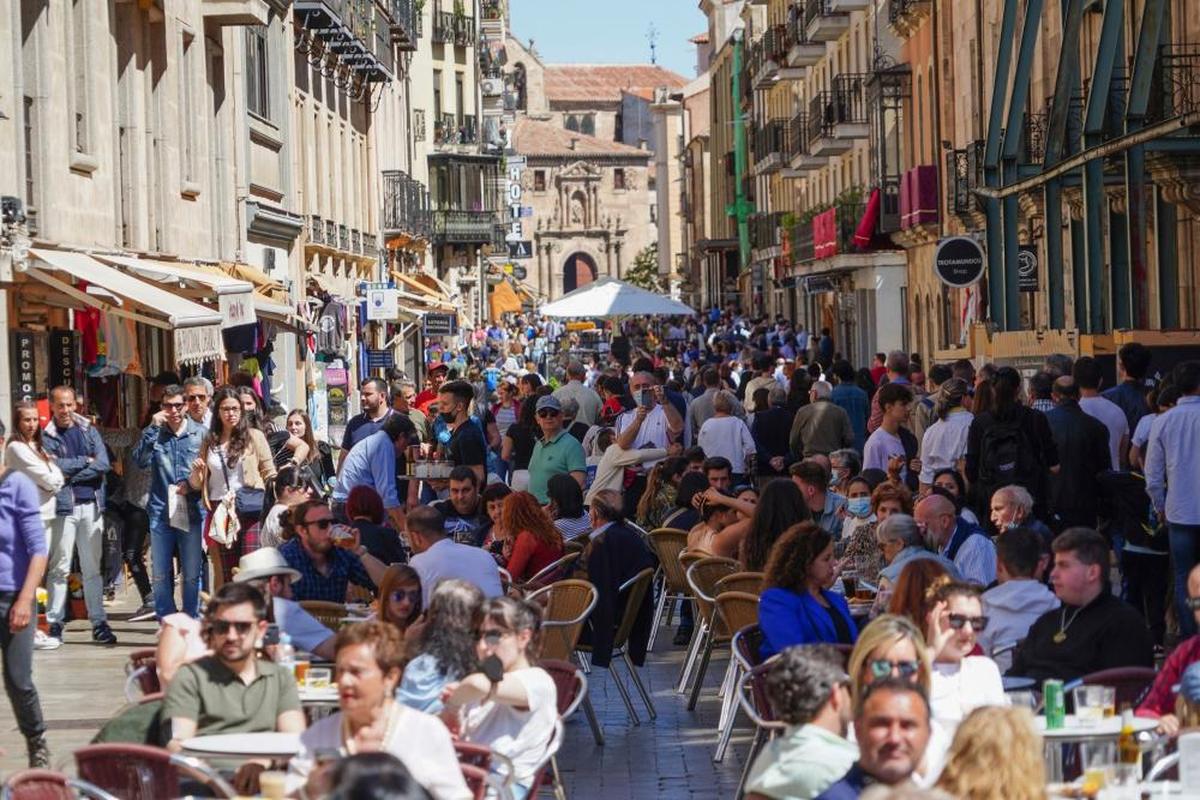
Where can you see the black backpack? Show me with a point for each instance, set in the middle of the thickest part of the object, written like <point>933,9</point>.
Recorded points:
<point>1007,455</point>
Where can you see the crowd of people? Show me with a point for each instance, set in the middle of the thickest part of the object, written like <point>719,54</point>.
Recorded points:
<point>920,533</point>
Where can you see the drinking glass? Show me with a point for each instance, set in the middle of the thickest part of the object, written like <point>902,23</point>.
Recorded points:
<point>273,784</point>
<point>301,668</point>
<point>1099,762</point>
<point>1110,700</point>
<point>319,677</point>
<point>1089,705</point>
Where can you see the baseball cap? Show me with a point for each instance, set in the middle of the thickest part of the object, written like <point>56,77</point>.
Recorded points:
<point>549,401</point>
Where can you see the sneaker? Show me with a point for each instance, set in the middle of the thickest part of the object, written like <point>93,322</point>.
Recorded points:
<point>103,634</point>
<point>56,631</point>
<point>146,612</point>
<point>110,595</point>
<point>42,641</point>
<point>39,752</point>
<point>683,636</point>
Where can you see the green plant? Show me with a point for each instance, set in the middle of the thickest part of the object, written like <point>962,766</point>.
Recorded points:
<point>643,272</point>
<point>460,10</point>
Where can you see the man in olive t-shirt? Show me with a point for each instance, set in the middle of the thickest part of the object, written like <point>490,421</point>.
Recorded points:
<point>232,691</point>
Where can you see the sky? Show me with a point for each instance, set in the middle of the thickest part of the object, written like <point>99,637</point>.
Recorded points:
<point>610,31</point>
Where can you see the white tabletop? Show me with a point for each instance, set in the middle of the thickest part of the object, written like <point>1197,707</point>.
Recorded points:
<point>1108,727</point>
<point>327,695</point>
<point>250,745</point>
<point>1016,684</point>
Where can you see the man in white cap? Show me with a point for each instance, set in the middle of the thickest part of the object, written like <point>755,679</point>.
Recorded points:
<point>266,570</point>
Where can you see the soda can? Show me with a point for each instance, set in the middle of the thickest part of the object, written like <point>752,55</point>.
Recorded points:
<point>1055,703</point>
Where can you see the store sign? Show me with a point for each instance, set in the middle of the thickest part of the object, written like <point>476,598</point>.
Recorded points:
<point>1027,268</point>
<point>513,193</point>
<point>24,365</point>
<point>236,309</point>
<point>439,324</point>
<point>522,249</point>
<point>337,382</point>
<point>381,359</point>
<point>819,284</point>
<point>62,358</point>
<point>958,261</point>
<point>520,273</point>
<point>383,302</point>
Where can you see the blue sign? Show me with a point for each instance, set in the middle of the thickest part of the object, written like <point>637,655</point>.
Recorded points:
<point>381,359</point>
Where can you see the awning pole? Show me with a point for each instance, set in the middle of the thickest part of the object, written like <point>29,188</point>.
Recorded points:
<point>87,299</point>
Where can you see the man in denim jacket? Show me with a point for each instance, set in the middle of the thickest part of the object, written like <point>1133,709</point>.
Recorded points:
<point>168,447</point>
<point>79,452</point>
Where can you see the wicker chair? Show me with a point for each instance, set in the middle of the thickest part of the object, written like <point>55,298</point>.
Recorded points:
<point>749,582</point>
<point>702,577</point>
<point>572,693</point>
<point>140,772</point>
<point>635,590</point>
<point>739,612</point>
<point>668,544</point>
<point>328,614</point>
<point>568,605</point>
<point>44,784</point>
<point>547,575</point>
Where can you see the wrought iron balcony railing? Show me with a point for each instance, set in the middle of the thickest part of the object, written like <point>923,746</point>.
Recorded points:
<point>463,227</point>
<point>405,205</point>
<point>964,172</point>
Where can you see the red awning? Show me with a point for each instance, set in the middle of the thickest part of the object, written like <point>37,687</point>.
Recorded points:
<point>825,243</point>
<point>866,226</point>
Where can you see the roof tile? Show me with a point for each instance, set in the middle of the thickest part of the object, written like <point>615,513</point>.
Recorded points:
<point>604,82</point>
<point>534,138</point>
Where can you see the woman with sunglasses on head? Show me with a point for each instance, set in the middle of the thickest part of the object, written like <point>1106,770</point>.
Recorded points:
<point>400,597</point>
<point>442,644</point>
<point>291,487</point>
<point>510,706</point>
<point>961,682</point>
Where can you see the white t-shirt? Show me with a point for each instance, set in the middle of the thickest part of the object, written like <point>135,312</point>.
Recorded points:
<point>727,437</point>
<point>957,689</point>
<point>653,433</point>
<point>270,533</point>
<point>420,741</point>
<point>881,446</point>
<point>1113,418</point>
<point>218,469</point>
<point>523,736</point>
<point>944,443</point>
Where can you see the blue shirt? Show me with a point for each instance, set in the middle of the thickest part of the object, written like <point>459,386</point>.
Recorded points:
<point>852,784</point>
<point>1173,462</point>
<point>371,462</point>
<point>76,443</point>
<point>857,405</point>
<point>1129,398</point>
<point>344,568</point>
<point>789,618</point>
<point>360,427</point>
<point>169,458</point>
<point>22,534</point>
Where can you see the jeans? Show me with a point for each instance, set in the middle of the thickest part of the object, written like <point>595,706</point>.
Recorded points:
<point>1185,552</point>
<point>164,542</point>
<point>17,652</point>
<point>1146,588</point>
<point>82,530</point>
<point>133,545</point>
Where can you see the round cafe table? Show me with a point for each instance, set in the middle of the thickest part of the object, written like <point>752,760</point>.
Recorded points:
<point>1018,684</point>
<point>244,745</point>
<point>1107,729</point>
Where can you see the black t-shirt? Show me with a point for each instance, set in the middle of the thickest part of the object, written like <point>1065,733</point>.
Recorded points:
<point>381,541</point>
<point>839,625</point>
<point>467,446</point>
<point>578,430</point>
<point>469,529</point>
<point>1105,634</point>
<point>523,438</point>
<point>360,427</point>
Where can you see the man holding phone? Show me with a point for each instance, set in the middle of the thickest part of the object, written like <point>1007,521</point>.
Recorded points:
<point>661,427</point>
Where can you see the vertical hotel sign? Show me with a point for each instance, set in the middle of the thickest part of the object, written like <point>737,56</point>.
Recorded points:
<point>515,165</point>
<point>24,366</point>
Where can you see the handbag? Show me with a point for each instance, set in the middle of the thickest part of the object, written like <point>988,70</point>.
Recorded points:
<point>223,523</point>
<point>247,502</point>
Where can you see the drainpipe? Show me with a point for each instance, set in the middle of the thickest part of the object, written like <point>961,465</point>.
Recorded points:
<point>741,207</point>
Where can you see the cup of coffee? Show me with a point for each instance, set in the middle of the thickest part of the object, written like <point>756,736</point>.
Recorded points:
<point>272,784</point>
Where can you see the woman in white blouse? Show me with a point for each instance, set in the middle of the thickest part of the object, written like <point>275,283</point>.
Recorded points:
<point>960,682</point>
<point>725,435</point>
<point>944,445</point>
<point>25,454</point>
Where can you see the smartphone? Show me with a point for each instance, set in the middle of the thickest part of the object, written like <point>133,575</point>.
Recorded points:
<point>646,398</point>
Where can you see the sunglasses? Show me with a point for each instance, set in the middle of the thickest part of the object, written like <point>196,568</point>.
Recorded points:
<point>321,524</point>
<point>882,667</point>
<point>412,595</point>
<point>959,621</point>
<point>1193,603</point>
<point>197,398</point>
<point>548,412</point>
<point>167,405</point>
<point>492,636</point>
<point>221,627</point>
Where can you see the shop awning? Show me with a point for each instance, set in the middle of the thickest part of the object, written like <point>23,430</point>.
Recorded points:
<point>866,226</point>
<point>196,329</point>
<point>503,299</point>
<point>235,298</point>
<point>271,287</point>
<point>422,292</point>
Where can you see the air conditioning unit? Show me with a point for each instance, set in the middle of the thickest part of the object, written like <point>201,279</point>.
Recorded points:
<point>492,87</point>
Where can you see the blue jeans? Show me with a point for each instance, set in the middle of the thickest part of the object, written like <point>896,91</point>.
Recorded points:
<point>164,542</point>
<point>1185,552</point>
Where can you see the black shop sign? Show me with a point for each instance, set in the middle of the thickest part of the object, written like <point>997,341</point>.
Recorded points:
<point>958,261</point>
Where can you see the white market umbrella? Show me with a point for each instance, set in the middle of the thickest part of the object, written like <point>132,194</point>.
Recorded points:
<point>609,297</point>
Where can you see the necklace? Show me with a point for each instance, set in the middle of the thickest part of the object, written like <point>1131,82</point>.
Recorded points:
<point>1063,624</point>
<point>348,743</point>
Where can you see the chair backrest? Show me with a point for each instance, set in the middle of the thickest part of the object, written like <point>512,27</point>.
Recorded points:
<point>145,660</point>
<point>477,755</point>
<point>737,609</point>
<point>687,558</point>
<point>476,778</point>
<point>568,604</point>
<point>37,784</point>
<point>668,544</point>
<point>552,572</point>
<point>1131,683</point>
<point>570,682</point>
<point>635,590</point>
<point>749,582</point>
<point>747,644</point>
<point>141,772</point>
<point>702,576</point>
<point>328,614</point>
<point>752,695</point>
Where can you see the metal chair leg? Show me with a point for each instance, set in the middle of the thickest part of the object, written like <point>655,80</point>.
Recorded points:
<point>726,733</point>
<point>584,662</point>
<point>760,739</point>
<point>560,793</point>
<point>699,682</point>
<point>657,619</point>
<point>695,647</point>
<point>641,687</point>
<point>728,687</point>
<point>616,679</point>
<point>590,711</point>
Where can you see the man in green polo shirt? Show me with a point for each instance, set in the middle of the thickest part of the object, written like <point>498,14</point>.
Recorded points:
<point>557,452</point>
<point>232,691</point>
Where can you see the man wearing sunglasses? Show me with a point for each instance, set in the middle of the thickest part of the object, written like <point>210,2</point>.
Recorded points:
<point>232,690</point>
<point>809,690</point>
<point>556,452</point>
<point>326,570</point>
<point>197,392</point>
<point>169,445</point>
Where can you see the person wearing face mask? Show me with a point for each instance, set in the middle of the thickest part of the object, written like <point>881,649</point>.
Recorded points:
<point>1012,507</point>
<point>861,552</point>
<point>961,682</point>
<point>461,440</point>
<point>844,465</point>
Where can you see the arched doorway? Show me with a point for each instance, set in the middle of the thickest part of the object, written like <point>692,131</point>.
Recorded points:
<point>579,270</point>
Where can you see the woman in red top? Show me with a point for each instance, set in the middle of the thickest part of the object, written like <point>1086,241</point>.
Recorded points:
<point>533,541</point>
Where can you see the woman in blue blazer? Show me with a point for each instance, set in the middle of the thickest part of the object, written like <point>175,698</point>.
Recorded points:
<point>796,608</point>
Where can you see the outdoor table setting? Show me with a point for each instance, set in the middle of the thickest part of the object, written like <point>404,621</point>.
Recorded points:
<point>244,745</point>
<point>1094,726</point>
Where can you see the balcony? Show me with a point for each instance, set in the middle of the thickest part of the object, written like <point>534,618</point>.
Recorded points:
<point>343,238</point>
<point>919,193</point>
<point>802,244</point>
<point>236,12</point>
<point>316,230</point>
<point>799,161</point>
<point>463,227</point>
<point>492,10</point>
<point>357,31</point>
<point>769,57</point>
<point>405,206</point>
<point>404,26</point>
<point>964,173</point>
<point>821,121</point>
<point>356,242</point>
<point>822,23</point>
<point>331,234</point>
<point>802,52</point>
<point>764,231</point>
<point>1033,138</point>
<point>904,15</point>
<point>452,28</point>
<point>769,144</point>
<point>448,131</point>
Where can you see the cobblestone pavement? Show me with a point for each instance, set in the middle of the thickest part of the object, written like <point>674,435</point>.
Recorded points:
<point>671,757</point>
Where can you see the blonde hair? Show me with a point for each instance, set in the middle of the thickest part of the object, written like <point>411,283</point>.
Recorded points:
<point>883,632</point>
<point>996,755</point>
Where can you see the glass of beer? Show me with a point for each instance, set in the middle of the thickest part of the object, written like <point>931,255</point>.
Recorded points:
<point>850,584</point>
<point>342,536</point>
<point>301,668</point>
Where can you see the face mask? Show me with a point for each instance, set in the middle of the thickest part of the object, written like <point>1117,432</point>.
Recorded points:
<point>839,477</point>
<point>859,506</point>
<point>447,418</point>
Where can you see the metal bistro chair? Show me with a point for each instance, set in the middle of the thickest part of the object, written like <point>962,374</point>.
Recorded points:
<point>141,675</point>
<point>328,614</point>
<point>739,611</point>
<point>1131,683</point>
<point>572,693</point>
<point>44,784</point>
<point>710,630</point>
<point>548,769</point>
<point>550,573</point>
<point>752,697</point>
<point>635,590</point>
<point>668,544</point>
<point>568,605</point>
<point>141,772</point>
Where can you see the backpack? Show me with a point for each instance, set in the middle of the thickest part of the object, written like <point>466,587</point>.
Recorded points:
<point>1007,455</point>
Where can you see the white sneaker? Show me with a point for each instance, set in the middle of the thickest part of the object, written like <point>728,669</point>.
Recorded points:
<point>41,641</point>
